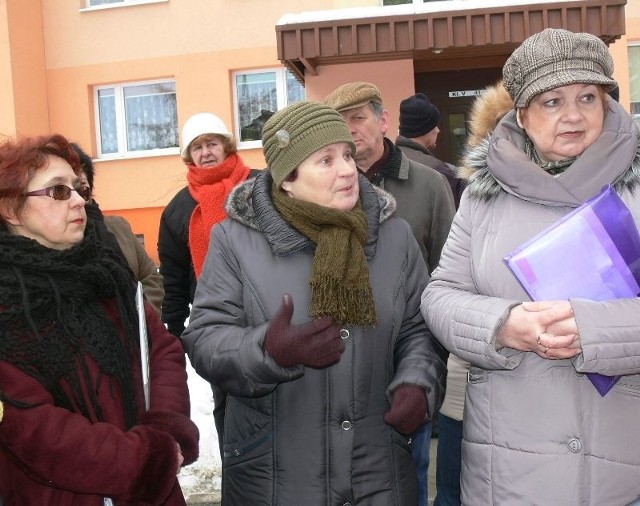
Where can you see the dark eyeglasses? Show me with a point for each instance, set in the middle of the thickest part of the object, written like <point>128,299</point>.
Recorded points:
<point>61,192</point>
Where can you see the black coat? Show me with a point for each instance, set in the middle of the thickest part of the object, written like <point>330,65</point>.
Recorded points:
<point>176,266</point>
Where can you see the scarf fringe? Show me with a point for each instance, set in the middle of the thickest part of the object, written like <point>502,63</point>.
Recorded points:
<point>348,305</point>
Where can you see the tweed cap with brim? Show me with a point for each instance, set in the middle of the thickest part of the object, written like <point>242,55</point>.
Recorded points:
<point>353,95</point>
<point>555,57</point>
<point>294,133</point>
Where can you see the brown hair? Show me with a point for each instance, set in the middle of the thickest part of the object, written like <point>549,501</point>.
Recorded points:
<point>230,146</point>
<point>20,159</point>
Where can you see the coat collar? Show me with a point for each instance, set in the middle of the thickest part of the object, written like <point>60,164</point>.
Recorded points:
<point>409,143</point>
<point>499,163</point>
<point>250,204</point>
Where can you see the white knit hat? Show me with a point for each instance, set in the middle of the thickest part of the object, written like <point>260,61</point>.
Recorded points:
<point>200,124</point>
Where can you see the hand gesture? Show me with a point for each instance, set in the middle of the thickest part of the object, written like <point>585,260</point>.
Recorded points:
<point>315,344</point>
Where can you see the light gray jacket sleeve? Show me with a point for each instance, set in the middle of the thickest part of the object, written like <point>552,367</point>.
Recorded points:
<point>465,321</point>
<point>609,335</point>
<point>222,346</point>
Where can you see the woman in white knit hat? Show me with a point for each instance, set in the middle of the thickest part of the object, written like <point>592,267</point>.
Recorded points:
<point>536,430</point>
<point>213,168</point>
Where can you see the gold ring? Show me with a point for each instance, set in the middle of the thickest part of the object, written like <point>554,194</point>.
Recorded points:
<point>546,350</point>
<point>539,339</point>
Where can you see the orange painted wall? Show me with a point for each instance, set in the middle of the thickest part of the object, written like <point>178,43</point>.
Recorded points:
<point>138,188</point>
<point>198,45</point>
<point>143,221</point>
<point>619,49</point>
<point>7,109</point>
<point>24,102</point>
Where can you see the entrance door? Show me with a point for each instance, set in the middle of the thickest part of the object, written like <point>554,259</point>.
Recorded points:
<point>453,92</point>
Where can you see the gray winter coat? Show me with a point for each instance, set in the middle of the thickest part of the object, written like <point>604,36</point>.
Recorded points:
<point>424,199</point>
<point>299,435</point>
<point>418,153</point>
<point>536,431</point>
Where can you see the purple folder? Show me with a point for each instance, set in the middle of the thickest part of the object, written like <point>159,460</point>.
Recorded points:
<point>591,253</point>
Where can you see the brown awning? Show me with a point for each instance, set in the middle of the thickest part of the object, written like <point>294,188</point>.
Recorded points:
<point>441,40</point>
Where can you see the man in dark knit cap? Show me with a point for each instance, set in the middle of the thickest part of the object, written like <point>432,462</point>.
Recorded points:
<point>419,131</point>
<point>423,197</point>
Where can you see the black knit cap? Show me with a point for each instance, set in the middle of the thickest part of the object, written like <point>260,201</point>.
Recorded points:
<point>418,116</point>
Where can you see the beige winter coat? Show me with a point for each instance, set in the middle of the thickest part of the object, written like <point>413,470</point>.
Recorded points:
<point>535,430</point>
<point>138,260</point>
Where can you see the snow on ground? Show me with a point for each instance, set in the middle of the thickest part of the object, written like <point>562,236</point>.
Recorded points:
<point>202,478</point>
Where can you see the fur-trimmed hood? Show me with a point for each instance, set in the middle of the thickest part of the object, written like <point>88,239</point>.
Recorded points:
<point>495,161</point>
<point>250,204</point>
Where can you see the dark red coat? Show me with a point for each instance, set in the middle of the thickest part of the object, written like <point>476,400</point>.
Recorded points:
<point>51,456</point>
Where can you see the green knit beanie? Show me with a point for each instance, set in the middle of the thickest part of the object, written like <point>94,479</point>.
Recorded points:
<point>294,133</point>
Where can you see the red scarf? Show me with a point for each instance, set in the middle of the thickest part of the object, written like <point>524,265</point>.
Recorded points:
<point>210,188</point>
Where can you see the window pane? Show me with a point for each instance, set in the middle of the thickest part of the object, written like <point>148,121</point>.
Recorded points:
<point>108,123</point>
<point>634,72</point>
<point>295,91</point>
<point>457,135</point>
<point>634,80</point>
<point>257,102</point>
<point>396,2</point>
<point>151,116</point>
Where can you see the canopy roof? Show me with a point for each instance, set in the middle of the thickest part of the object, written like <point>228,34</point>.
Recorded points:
<point>442,35</point>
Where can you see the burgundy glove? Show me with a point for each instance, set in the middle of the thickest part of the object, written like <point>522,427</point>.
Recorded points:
<point>314,344</point>
<point>183,430</point>
<point>408,409</point>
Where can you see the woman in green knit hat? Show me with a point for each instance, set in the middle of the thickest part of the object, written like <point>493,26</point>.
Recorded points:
<point>307,317</point>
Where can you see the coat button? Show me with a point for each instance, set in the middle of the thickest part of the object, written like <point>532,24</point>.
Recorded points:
<point>575,445</point>
<point>344,333</point>
<point>346,425</point>
<point>347,504</point>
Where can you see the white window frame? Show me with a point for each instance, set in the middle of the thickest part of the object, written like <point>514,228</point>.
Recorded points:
<point>415,2</point>
<point>122,3</point>
<point>121,129</point>
<point>406,3</point>
<point>281,97</point>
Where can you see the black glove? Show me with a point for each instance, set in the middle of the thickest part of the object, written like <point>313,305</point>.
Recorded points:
<point>408,409</point>
<point>175,328</point>
<point>315,344</point>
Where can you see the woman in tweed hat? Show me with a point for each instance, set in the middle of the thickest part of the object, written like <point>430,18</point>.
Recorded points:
<point>307,316</point>
<point>536,430</point>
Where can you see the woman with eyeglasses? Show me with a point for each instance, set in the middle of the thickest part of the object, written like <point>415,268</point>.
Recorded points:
<point>75,427</point>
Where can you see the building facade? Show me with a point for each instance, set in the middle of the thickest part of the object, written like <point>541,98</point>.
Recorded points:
<point>120,77</point>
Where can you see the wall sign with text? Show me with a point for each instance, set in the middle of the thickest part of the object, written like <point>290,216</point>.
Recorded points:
<point>464,93</point>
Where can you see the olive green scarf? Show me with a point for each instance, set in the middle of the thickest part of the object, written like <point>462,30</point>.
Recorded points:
<point>340,279</point>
